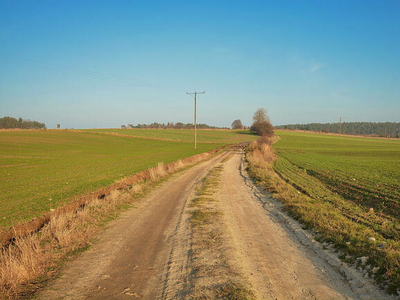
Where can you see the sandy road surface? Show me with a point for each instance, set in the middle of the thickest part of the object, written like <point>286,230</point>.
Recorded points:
<point>146,253</point>
<point>131,257</point>
<point>277,266</point>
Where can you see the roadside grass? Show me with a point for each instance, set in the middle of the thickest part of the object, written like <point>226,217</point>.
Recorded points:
<point>201,217</point>
<point>212,275</point>
<point>235,291</point>
<point>199,201</point>
<point>43,170</point>
<point>363,237</point>
<point>30,261</point>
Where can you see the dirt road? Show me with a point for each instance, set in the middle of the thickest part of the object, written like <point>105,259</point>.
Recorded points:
<point>146,253</point>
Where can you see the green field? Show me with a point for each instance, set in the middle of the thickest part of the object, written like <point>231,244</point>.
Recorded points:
<point>185,135</point>
<point>41,170</point>
<point>364,171</point>
<point>347,193</point>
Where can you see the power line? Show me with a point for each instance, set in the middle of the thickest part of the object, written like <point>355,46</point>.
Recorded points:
<point>195,107</point>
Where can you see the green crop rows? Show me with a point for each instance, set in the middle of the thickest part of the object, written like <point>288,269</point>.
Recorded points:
<point>185,135</point>
<point>41,170</point>
<point>355,176</point>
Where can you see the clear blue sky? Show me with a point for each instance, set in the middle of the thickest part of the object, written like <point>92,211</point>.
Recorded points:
<point>87,64</point>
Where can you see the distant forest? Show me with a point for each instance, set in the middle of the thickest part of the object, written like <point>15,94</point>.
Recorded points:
<point>169,125</point>
<point>352,128</point>
<point>13,123</point>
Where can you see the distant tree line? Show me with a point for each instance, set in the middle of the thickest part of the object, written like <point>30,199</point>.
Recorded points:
<point>170,125</point>
<point>351,128</point>
<point>12,123</point>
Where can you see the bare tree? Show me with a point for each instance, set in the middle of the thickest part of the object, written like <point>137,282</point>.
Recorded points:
<point>260,116</point>
<point>262,125</point>
<point>237,124</point>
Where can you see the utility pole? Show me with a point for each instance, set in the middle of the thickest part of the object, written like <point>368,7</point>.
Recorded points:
<point>195,108</point>
<point>340,129</point>
<point>386,136</point>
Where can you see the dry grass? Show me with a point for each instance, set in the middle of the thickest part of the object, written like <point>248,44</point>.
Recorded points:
<point>34,254</point>
<point>26,259</point>
<point>261,152</point>
<point>30,257</point>
<point>179,164</point>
